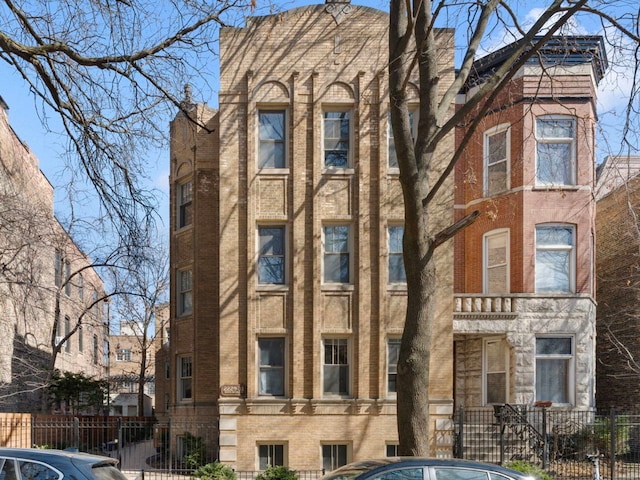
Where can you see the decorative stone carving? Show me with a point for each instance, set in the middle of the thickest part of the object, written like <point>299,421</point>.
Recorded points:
<point>338,8</point>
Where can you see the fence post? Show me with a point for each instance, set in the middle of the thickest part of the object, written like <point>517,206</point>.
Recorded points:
<point>459,447</point>
<point>614,442</point>
<point>502,427</point>
<point>76,433</point>
<point>119,446</point>
<point>545,442</point>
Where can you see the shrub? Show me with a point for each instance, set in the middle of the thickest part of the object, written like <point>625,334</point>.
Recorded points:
<point>529,469</point>
<point>215,471</point>
<point>277,473</point>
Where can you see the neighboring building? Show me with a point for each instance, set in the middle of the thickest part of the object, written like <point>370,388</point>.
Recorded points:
<point>125,363</point>
<point>40,263</point>
<point>287,283</point>
<point>618,273</point>
<point>525,290</point>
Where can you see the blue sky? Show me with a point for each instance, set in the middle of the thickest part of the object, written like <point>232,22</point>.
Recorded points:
<point>48,146</point>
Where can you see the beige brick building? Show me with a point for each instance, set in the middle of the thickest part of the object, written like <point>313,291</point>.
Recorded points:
<point>40,263</point>
<point>288,293</point>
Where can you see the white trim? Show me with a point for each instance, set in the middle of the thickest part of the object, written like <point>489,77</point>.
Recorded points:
<point>485,366</point>
<point>485,258</point>
<point>571,370</point>
<point>504,127</point>
<point>572,255</point>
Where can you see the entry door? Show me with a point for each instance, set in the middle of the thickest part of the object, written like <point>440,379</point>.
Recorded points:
<point>495,371</point>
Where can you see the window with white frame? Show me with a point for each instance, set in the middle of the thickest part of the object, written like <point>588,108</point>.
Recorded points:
<point>336,366</point>
<point>555,245</point>
<point>185,292</point>
<point>185,371</point>
<point>496,262</point>
<point>184,202</point>
<point>270,455</point>
<point>271,254</point>
<point>393,156</point>
<point>495,371</point>
<point>391,450</point>
<point>123,355</point>
<point>397,272</point>
<point>496,160</point>
<point>272,139</point>
<point>271,366</point>
<point>336,245</point>
<point>333,456</point>
<point>337,136</point>
<point>393,351</point>
<point>555,150</point>
<point>555,369</point>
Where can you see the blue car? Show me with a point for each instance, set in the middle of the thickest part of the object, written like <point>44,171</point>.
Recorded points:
<point>39,464</point>
<point>417,468</point>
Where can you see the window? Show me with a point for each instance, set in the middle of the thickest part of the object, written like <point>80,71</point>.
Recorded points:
<point>336,366</point>
<point>496,262</point>
<point>166,402</point>
<point>123,355</point>
<point>94,357</point>
<point>184,382</point>
<point>57,268</point>
<point>184,200</point>
<point>336,254</point>
<point>393,156</point>
<point>67,331</point>
<point>337,130</point>
<point>80,340</point>
<point>271,254</point>
<point>67,278</point>
<point>271,148</point>
<point>333,456</point>
<point>391,450</point>
<point>555,143</point>
<point>554,369</point>
<point>495,369</point>
<point>270,456</point>
<point>554,258</point>
<point>393,351</point>
<point>36,471</point>
<point>457,473</point>
<point>167,369</point>
<point>80,286</point>
<point>184,292</point>
<point>404,473</point>
<point>271,359</point>
<point>496,160</point>
<point>397,273</point>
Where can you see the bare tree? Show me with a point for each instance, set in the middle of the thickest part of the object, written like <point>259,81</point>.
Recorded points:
<point>139,308</point>
<point>113,72</point>
<point>425,165</point>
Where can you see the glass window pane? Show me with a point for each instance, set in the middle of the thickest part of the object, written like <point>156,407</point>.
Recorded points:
<point>401,474</point>
<point>552,380</point>
<point>552,271</point>
<point>460,474</point>
<point>554,163</point>
<point>271,139</point>
<point>553,346</point>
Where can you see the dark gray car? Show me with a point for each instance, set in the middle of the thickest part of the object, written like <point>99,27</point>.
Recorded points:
<point>417,468</point>
<point>40,464</point>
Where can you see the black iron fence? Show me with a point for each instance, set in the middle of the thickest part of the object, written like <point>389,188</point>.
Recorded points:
<point>567,443</point>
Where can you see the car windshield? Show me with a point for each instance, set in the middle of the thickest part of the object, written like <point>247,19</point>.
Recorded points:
<point>106,471</point>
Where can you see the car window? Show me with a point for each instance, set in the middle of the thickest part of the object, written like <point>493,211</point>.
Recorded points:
<point>400,474</point>
<point>36,471</point>
<point>452,473</point>
<point>107,472</point>
<point>497,476</point>
<point>8,471</point>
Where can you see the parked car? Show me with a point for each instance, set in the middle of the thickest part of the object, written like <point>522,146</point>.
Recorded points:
<point>40,464</point>
<point>417,468</point>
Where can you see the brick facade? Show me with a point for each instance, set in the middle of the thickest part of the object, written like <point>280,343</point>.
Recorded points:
<point>305,62</point>
<point>30,236</point>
